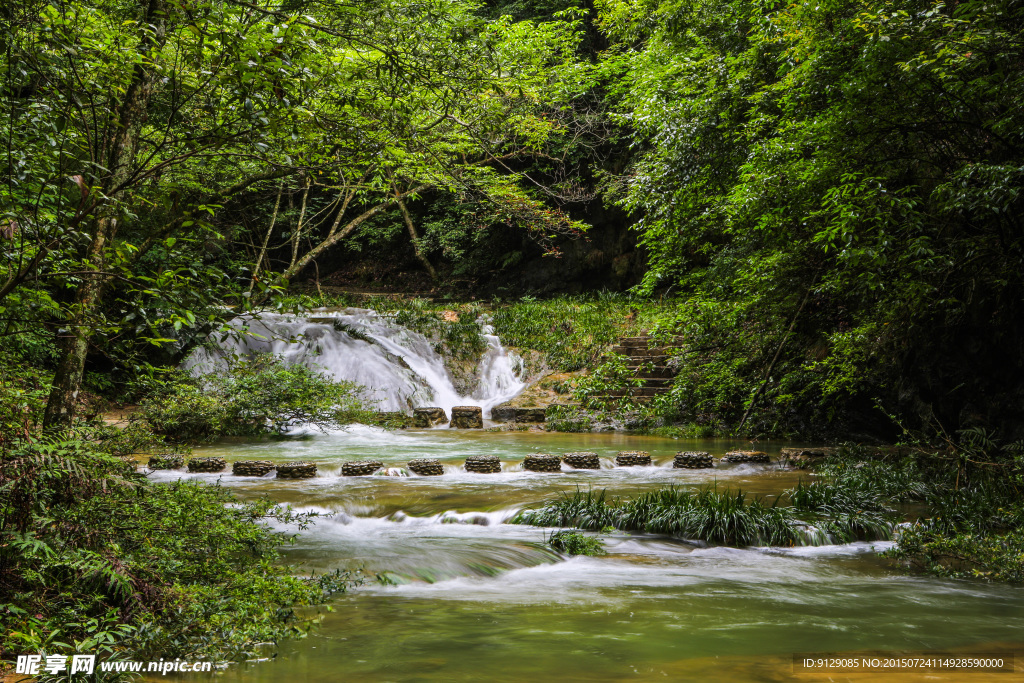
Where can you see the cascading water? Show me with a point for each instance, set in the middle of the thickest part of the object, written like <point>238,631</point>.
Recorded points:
<point>398,366</point>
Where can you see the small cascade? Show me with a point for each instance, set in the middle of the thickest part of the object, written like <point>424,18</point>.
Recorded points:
<point>399,367</point>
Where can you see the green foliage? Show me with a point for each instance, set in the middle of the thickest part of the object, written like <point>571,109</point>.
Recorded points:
<point>250,398</point>
<point>996,557</point>
<point>834,243</point>
<point>93,556</point>
<point>573,332</point>
<point>575,543</point>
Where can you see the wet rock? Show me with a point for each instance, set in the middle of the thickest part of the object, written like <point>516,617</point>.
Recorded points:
<point>360,468</point>
<point>542,462</point>
<point>807,453</point>
<point>487,464</point>
<point>582,460</point>
<point>746,456</point>
<point>251,468</point>
<point>296,470</point>
<point>503,413</point>
<point>168,461</point>
<point>207,464</point>
<point>693,460</point>
<point>630,458</point>
<point>428,417</point>
<point>536,415</point>
<point>467,417</point>
<point>426,467</point>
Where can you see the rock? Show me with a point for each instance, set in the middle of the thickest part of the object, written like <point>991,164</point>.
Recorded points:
<point>530,414</point>
<point>746,456</point>
<point>503,413</point>
<point>467,417</point>
<point>693,460</point>
<point>169,461</point>
<point>542,462</point>
<point>428,417</point>
<point>805,453</point>
<point>251,468</point>
<point>360,468</point>
<point>207,464</point>
<point>486,464</point>
<point>426,467</point>
<point>630,458</point>
<point>296,470</point>
<point>582,460</point>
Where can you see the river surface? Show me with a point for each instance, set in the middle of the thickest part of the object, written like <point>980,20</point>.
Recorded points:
<point>467,597</point>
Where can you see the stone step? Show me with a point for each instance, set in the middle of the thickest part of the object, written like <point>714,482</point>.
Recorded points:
<point>651,372</point>
<point>636,391</point>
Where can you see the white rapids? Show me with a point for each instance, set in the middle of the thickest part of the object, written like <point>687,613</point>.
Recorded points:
<point>399,367</point>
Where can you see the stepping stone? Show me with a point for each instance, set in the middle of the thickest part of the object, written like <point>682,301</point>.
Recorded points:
<point>296,470</point>
<point>207,464</point>
<point>542,462</point>
<point>251,468</point>
<point>693,460</point>
<point>426,467</point>
<point>582,460</point>
<point>360,468</point>
<point>428,417</point>
<point>485,464</point>
<point>746,456</point>
<point>630,458</point>
<point>467,417</point>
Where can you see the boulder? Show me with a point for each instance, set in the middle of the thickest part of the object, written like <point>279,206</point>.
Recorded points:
<point>629,458</point>
<point>582,460</point>
<point>530,414</point>
<point>503,413</point>
<point>360,468</point>
<point>542,462</point>
<point>296,470</point>
<point>428,417</point>
<point>693,460</point>
<point>251,468</point>
<point>467,417</point>
<point>746,456</point>
<point>168,461</point>
<point>207,464</point>
<point>426,467</point>
<point>485,464</point>
<point>807,453</point>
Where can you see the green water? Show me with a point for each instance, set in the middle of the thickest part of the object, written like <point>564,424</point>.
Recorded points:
<point>482,600</point>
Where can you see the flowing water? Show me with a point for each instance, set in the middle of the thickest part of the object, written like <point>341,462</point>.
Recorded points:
<point>467,597</point>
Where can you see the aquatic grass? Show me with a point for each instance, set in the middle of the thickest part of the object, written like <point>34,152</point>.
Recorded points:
<point>575,543</point>
<point>582,509</point>
<point>723,517</point>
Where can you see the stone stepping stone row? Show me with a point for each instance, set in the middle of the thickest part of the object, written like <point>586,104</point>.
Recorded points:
<point>632,458</point>
<point>746,456</point>
<point>542,462</point>
<point>693,460</point>
<point>360,468</point>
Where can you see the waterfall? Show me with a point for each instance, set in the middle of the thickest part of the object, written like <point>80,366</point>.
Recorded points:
<point>399,367</point>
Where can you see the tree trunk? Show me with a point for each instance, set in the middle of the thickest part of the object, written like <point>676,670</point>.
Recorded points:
<point>127,120</point>
<point>414,237</point>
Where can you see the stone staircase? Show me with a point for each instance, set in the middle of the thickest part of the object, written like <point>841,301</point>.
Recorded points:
<point>648,363</point>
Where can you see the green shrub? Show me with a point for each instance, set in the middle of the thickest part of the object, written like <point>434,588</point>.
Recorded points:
<point>92,554</point>
<point>575,543</point>
<point>252,397</point>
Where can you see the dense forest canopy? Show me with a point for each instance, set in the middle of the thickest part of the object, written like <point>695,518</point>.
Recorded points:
<point>831,192</point>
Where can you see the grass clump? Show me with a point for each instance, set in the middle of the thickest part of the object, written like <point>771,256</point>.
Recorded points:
<point>575,543</point>
<point>723,517</point>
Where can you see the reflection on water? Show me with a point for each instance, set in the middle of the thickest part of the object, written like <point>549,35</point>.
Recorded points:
<point>478,599</point>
